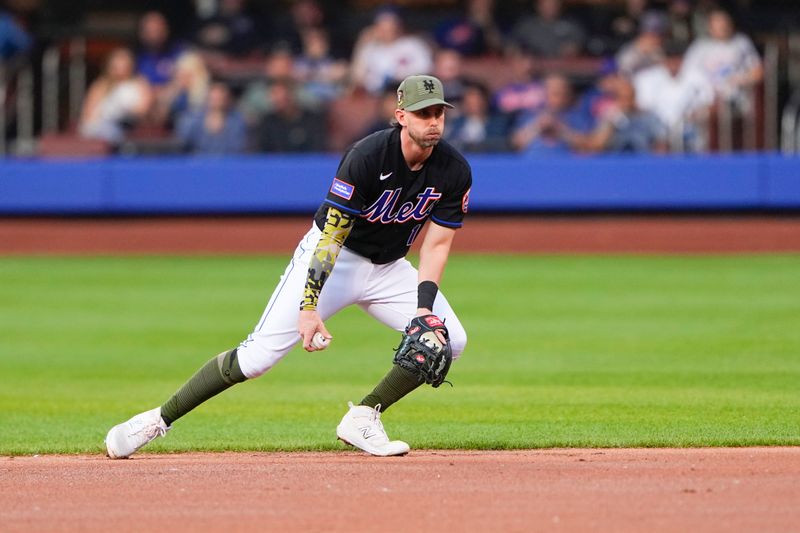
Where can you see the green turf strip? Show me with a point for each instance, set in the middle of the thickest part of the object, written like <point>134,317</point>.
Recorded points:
<point>563,351</point>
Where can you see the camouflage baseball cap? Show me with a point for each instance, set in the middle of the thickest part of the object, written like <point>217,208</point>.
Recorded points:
<point>419,92</point>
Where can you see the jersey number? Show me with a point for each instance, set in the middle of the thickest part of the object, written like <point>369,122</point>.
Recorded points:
<point>414,233</point>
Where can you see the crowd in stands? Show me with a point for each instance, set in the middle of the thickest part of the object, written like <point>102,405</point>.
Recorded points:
<point>14,40</point>
<point>661,66</point>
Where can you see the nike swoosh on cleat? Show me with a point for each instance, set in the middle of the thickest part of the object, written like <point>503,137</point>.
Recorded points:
<point>384,176</point>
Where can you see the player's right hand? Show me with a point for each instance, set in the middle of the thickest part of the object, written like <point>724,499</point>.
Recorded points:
<point>309,323</point>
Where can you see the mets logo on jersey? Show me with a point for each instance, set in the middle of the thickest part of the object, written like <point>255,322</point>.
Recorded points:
<point>385,210</point>
<point>465,201</point>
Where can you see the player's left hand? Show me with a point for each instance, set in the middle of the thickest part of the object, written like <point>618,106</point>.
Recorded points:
<point>308,323</point>
<point>424,311</point>
<point>425,349</point>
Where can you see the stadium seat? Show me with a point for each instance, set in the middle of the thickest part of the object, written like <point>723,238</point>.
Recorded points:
<point>71,145</point>
<point>150,139</point>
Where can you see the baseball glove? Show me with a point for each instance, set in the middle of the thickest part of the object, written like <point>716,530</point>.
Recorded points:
<point>422,351</point>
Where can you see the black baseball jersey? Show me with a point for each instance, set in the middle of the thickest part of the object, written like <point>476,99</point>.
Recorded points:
<point>392,202</point>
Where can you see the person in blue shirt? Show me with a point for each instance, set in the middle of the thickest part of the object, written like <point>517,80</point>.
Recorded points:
<point>216,130</point>
<point>525,94</point>
<point>472,34</point>
<point>478,128</point>
<point>596,102</point>
<point>626,128</point>
<point>14,40</point>
<point>558,128</point>
<point>156,54</point>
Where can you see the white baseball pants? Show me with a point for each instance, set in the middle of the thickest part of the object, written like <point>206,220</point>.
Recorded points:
<point>387,292</point>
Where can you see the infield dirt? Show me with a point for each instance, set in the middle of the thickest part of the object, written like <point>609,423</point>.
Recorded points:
<point>711,489</point>
<point>220,236</point>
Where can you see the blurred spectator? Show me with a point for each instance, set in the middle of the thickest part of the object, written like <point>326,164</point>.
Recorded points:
<point>116,101</point>
<point>289,127</point>
<point>321,74</point>
<point>473,34</point>
<point>217,129</point>
<point>231,31</point>
<point>648,47</point>
<point>678,101</point>
<point>627,129</point>
<point>14,40</point>
<point>447,66</point>
<point>386,109</point>
<point>701,12</point>
<point>549,34</point>
<point>679,33</point>
<point>477,128</point>
<point>624,26</point>
<point>524,93</point>
<point>156,55</point>
<point>599,100</point>
<point>558,128</point>
<point>288,28</point>
<point>187,91</point>
<point>727,59</point>
<point>257,98</point>
<point>384,52</point>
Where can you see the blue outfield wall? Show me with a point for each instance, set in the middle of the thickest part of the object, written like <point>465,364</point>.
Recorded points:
<point>296,184</point>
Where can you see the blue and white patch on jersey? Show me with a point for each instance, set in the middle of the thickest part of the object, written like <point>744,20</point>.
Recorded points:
<point>342,189</point>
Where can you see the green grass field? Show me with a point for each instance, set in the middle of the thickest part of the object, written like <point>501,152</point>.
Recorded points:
<point>564,351</point>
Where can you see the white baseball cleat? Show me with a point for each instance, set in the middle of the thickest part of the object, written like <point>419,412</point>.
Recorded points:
<point>361,427</point>
<point>124,439</point>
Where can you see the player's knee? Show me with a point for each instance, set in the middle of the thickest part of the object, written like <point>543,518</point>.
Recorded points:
<point>254,361</point>
<point>256,358</point>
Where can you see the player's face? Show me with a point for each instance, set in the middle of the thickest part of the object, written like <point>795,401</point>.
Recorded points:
<point>426,126</point>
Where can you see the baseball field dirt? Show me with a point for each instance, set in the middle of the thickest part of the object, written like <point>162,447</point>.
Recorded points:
<point>220,236</point>
<point>710,489</point>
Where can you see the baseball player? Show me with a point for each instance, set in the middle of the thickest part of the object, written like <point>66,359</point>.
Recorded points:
<point>386,188</point>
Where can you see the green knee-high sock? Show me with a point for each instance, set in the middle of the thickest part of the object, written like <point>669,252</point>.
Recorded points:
<point>396,384</point>
<point>220,373</point>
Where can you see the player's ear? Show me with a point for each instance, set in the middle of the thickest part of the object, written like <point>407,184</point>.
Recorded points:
<point>400,115</point>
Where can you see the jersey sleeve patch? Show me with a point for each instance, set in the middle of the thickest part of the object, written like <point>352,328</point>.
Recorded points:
<point>342,189</point>
<point>465,201</point>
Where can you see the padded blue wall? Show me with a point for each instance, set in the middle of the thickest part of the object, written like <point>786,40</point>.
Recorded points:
<point>296,184</point>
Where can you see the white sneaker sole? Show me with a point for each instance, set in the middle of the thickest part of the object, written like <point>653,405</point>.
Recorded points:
<point>394,448</point>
